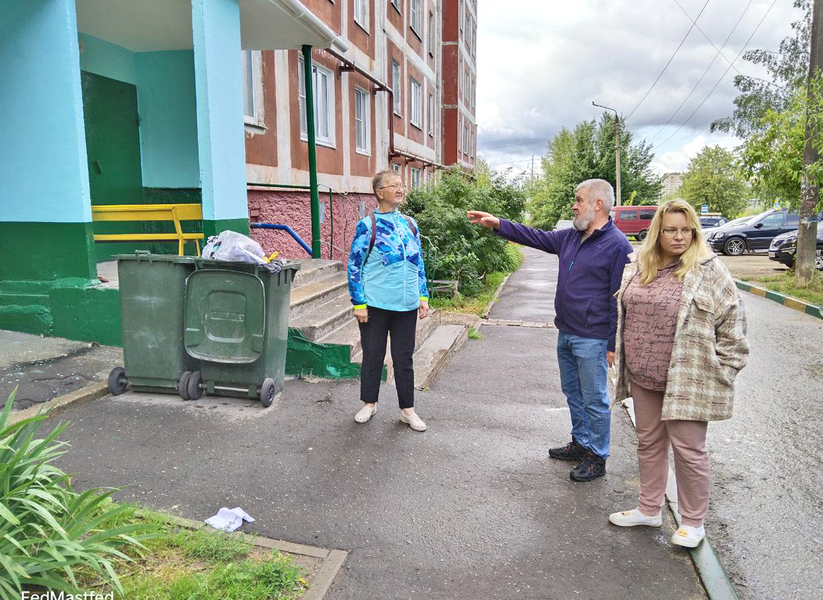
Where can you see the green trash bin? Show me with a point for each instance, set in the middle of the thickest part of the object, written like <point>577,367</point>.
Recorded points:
<point>152,292</point>
<point>236,323</point>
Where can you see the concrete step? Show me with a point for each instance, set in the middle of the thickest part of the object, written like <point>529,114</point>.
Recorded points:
<point>348,334</point>
<point>315,269</point>
<point>432,356</point>
<point>324,318</point>
<point>309,297</point>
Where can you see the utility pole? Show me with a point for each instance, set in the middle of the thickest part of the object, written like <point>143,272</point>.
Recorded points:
<point>616,152</point>
<point>810,192</point>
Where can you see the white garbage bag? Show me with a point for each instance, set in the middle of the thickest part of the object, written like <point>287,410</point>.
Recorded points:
<point>234,247</point>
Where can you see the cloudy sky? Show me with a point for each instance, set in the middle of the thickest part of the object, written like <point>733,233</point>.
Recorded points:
<point>541,63</point>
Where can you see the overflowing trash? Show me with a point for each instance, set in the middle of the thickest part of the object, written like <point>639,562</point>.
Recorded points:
<point>235,247</point>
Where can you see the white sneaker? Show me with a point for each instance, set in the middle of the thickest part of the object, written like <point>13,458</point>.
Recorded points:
<point>413,421</point>
<point>688,536</point>
<point>633,518</point>
<point>365,413</point>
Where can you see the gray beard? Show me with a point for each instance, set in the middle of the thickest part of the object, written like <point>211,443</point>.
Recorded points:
<point>582,222</point>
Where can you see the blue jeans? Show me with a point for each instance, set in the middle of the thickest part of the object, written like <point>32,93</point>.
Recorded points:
<point>583,377</point>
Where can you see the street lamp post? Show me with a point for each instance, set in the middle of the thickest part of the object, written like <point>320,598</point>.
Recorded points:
<point>616,149</point>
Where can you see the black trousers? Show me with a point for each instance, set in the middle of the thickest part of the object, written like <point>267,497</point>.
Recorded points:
<point>373,334</point>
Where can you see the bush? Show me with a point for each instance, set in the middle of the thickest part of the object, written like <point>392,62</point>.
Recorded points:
<point>47,530</point>
<point>465,252</point>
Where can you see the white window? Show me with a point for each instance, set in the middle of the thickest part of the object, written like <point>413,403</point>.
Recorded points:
<point>465,138</point>
<point>361,13</point>
<point>472,94</point>
<point>362,111</point>
<point>415,178</point>
<point>416,103</point>
<point>396,86</point>
<point>468,30</point>
<point>431,115</point>
<point>252,88</point>
<point>430,42</point>
<point>396,4</point>
<point>323,87</point>
<point>416,18</point>
<point>396,168</point>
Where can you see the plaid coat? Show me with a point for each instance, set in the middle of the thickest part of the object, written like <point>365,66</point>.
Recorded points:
<point>710,344</point>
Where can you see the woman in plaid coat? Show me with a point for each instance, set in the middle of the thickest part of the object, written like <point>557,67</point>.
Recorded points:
<point>681,340</point>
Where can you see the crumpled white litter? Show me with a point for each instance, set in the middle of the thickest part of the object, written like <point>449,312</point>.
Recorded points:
<point>229,519</point>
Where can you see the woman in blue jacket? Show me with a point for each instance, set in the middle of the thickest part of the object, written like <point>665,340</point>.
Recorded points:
<point>387,284</point>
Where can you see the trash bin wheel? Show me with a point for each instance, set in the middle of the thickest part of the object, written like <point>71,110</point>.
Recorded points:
<point>118,381</point>
<point>267,392</point>
<point>195,389</point>
<point>183,385</point>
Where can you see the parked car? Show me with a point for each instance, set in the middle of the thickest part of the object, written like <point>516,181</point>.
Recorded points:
<point>753,235</point>
<point>707,231</point>
<point>563,224</point>
<point>707,221</point>
<point>633,220</point>
<point>784,248</point>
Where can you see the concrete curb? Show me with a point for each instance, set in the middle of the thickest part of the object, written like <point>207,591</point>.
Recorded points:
<point>788,302</point>
<point>497,292</point>
<point>332,559</point>
<point>56,405</point>
<point>715,580</point>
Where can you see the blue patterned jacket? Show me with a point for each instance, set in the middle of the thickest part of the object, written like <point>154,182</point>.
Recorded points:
<point>393,277</point>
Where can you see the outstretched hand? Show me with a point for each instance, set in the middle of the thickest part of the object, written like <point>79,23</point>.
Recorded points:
<point>478,217</point>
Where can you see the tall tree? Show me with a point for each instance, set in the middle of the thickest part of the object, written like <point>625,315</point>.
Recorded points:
<point>787,69</point>
<point>714,178</point>
<point>588,152</point>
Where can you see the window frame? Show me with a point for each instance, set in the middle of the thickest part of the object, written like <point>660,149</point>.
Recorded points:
<point>317,70</point>
<point>416,177</point>
<point>431,114</point>
<point>430,35</point>
<point>415,102</point>
<point>624,215</point>
<point>646,212</point>
<point>416,18</point>
<point>364,10</point>
<point>365,119</point>
<point>397,87</point>
<point>395,4</point>
<point>252,69</point>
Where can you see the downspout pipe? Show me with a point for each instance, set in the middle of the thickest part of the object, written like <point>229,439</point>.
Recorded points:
<point>315,197</point>
<point>349,65</point>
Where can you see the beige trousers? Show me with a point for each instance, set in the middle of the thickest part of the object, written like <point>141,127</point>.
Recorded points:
<point>691,461</point>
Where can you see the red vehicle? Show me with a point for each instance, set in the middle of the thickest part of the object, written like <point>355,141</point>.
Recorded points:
<point>633,220</point>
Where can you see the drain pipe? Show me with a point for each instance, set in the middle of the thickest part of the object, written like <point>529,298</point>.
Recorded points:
<point>349,65</point>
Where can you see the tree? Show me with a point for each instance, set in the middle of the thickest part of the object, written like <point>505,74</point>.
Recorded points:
<point>714,178</point>
<point>788,69</point>
<point>587,152</point>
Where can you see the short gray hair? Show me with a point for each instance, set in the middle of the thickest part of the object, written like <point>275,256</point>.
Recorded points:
<point>598,188</point>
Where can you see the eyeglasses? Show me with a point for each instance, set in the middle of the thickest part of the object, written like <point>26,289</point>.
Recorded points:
<point>671,232</point>
<point>394,185</point>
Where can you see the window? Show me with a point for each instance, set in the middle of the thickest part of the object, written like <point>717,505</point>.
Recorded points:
<point>252,73</point>
<point>647,215</point>
<point>396,168</point>
<point>431,115</point>
<point>466,138</point>
<point>628,215</point>
<point>416,104</point>
<point>773,220</point>
<point>361,13</point>
<point>396,4</point>
<point>793,220</point>
<point>395,86</point>
<point>416,18</point>
<point>362,111</point>
<point>415,178</point>
<point>467,83</point>
<point>472,92</point>
<point>430,42</point>
<point>468,31</point>
<point>323,85</point>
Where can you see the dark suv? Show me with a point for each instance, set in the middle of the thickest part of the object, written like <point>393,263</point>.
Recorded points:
<point>754,235</point>
<point>784,247</point>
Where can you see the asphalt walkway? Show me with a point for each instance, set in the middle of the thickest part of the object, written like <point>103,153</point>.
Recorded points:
<point>471,509</point>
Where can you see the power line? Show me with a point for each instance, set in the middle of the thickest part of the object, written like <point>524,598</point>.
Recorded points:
<point>704,72</point>
<point>706,36</point>
<point>668,63</point>
<point>721,77</point>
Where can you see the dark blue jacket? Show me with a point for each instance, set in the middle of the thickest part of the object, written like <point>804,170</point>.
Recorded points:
<point>589,275</point>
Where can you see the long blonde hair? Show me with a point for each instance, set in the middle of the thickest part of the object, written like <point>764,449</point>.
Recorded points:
<point>649,259</point>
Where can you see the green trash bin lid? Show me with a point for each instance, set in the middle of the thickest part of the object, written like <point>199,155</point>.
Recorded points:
<point>225,316</point>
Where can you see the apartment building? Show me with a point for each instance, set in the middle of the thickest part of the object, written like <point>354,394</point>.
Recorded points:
<point>376,105</point>
<point>460,83</point>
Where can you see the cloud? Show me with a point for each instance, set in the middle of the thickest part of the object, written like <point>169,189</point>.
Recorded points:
<point>542,63</point>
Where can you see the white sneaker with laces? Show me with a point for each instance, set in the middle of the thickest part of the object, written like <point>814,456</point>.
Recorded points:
<point>365,413</point>
<point>413,421</point>
<point>688,536</point>
<point>633,518</point>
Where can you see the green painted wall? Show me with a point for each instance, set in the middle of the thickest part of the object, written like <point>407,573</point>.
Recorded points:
<point>214,227</point>
<point>90,314</point>
<point>45,251</point>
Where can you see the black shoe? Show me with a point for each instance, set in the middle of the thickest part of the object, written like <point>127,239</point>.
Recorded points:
<point>571,451</point>
<point>592,467</point>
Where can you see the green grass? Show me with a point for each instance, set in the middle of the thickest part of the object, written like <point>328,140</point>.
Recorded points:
<point>474,305</point>
<point>205,564</point>
<point>474,334</point>
<point>785,284</point>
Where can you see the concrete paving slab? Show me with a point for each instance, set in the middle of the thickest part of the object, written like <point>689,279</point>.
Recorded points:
<point>529,293</point>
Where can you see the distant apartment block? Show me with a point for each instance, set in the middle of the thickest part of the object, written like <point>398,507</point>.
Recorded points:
<point>671,183</point>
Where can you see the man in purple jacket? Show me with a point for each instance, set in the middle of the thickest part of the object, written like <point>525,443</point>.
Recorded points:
<point>592,256</point>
